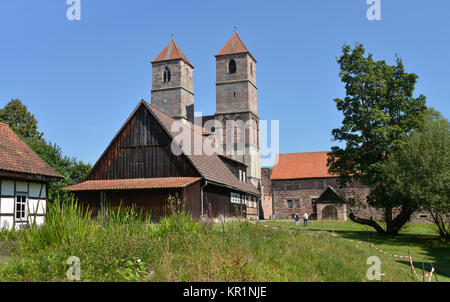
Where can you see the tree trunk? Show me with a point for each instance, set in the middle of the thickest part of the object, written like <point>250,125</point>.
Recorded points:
<point>393,226</point>
<point>399,221</point>
<point>441,224</point>
<point>368,222</point>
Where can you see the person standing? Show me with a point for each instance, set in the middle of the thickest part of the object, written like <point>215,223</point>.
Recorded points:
<point>305,220</point>
<point>297,219</point>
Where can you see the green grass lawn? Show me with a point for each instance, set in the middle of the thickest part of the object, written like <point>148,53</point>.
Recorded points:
<point>126,247</point>
<point>422,240</point>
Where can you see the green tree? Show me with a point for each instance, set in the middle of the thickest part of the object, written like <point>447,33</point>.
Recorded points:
<point>16,116</point>
<point>419,170</point>
<point>24,124</point>
<point>72,169</point>
<point>379,113</point>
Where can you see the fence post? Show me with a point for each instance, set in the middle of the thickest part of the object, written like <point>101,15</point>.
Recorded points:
<point>435,275</point>
<point>410,260</point>
<point>223,227</point>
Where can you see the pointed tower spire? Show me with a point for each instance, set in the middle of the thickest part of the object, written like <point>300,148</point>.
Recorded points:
<point>172,52</point>
<point>172,83</point>
<point>237,99</point>
<point>234,46</point>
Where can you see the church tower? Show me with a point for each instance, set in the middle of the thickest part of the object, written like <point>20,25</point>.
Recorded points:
<point>172,83</point>
<point>236,100</point>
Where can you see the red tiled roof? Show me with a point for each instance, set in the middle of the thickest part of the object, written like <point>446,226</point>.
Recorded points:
<point>16,156</point>
<point>137,183</point>
<point>172,52</point>
<point>301,165</point>
<point>233,46</point>
<point>211,167</point>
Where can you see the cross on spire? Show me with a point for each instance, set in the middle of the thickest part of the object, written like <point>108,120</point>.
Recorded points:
<point>172,36</point>
<point>235,28</point>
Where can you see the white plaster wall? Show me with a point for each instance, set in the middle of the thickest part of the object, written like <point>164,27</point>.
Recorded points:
<point>35,189</point>
<point>20,225</point>
<point>39,220</point>
<point>7,205</point>
<point>7,187</point>
<point>35,204</point>
<point>6,222</point>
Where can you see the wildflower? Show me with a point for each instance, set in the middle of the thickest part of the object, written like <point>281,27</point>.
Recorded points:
<point>139,261</point>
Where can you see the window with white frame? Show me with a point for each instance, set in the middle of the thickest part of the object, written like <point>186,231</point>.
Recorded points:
<point>21,208</point>
<point>240,175</point>
<point>235,198</point>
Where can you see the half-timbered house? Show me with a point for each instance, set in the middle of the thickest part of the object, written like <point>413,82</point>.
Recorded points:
<point>24,179</point>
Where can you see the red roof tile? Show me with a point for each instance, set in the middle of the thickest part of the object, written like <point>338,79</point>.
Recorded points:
<point>301,165</point>
<point>132,184</point>
<point>172,52</point>
<point>16,156</point>
<point>233,46</point>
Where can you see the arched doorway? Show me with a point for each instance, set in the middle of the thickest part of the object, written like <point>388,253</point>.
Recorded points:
<point>329,213</point>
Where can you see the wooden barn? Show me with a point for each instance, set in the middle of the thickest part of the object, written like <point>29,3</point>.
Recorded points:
<point>24,179</point>
<point>139,168</point>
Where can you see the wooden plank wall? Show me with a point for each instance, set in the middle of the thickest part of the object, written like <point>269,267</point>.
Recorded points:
<point>141,150</point>
<point>153,202</point>
<point>220,199</point>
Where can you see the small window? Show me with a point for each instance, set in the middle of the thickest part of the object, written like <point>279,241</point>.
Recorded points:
<point>251,68</point>
<point>21,210</point>
<point>244,177</point>
<point>240,175</point>
<point>232,66</point>
<point>289,204</point>
<point>297,203</point>
<point>235,198</point>
<point>166,74</point>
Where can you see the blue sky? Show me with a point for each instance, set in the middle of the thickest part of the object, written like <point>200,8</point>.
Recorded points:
<point>83,78</point>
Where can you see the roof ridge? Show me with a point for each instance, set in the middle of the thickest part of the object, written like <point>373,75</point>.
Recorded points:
<point>172,52</point>
<point>16,156</point>
<point>234,45</point>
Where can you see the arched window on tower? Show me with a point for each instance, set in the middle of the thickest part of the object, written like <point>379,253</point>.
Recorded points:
<point>166,74</point>
<point>232,66</point>
<point>251,68</point>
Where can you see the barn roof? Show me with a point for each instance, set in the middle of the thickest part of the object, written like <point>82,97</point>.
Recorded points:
<point>136,183</point>
<point>16,156</point>
<point>211,167</point>
<point>301,165</point>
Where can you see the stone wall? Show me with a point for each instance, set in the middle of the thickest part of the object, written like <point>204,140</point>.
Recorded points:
<point>174,97</point>
<point>266,192</point>
<point>302,193</point>
<point>236,92</point>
